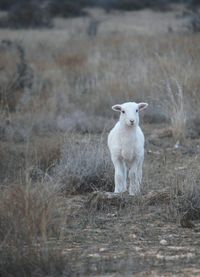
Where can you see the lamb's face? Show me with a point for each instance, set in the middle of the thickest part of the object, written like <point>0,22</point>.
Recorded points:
<point>129,112</point>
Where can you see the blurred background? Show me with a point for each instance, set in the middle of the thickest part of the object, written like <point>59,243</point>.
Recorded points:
<point>34,14</point>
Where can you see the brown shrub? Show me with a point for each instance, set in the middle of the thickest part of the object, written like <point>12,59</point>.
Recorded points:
<point>71,61</point>
<point>33,159</point>
<point>30,216</point>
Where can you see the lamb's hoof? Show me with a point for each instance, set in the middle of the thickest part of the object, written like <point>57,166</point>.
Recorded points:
<point>120,192</point>
<point>105,200</point>
<point>134,193</point>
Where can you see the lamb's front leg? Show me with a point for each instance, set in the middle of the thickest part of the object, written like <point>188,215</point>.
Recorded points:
<point>120,176</point>
<point>135,177</point>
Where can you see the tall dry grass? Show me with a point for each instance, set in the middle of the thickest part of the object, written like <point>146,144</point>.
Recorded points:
<point>89,76</point>
<point>32,224</point>
<point>174,105</point>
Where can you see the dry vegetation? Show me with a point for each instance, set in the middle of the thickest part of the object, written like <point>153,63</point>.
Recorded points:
<point>56,89</point>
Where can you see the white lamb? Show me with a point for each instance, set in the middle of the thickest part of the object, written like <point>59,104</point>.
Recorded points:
<point>126,145</point>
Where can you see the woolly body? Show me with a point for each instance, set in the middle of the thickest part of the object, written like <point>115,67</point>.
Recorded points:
<point>126,145</point>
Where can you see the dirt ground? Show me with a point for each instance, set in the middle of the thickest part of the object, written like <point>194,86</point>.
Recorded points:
<point>135,236</point>
<point>143,243</point>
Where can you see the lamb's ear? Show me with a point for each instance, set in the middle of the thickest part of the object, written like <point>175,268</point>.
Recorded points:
<point>117,108</point>
<point>142,106</point>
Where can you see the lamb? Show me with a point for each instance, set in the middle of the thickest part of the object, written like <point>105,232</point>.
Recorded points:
<point>126,145</point>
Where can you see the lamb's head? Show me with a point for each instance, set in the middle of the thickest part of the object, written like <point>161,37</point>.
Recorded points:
<point>129,112</point>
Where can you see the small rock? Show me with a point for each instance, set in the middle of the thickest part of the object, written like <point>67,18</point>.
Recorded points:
<point>95,255</point>
<point>132,236</point>
<point>102,249</point>
<point>177,145</point>
<point>163,242</point>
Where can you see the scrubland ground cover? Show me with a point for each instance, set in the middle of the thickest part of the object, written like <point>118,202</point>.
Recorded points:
<point>56,90</point>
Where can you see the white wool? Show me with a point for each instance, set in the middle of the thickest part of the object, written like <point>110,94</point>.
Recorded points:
<point>126,145</point>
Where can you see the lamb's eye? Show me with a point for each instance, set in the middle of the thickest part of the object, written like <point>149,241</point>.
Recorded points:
<point>123,111</point>
<point>137,111</point>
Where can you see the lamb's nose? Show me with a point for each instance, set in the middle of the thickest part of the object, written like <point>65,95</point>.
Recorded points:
<point>132,121</point>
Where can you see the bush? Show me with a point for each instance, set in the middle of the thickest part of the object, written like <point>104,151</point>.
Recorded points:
<point>27,15</point>
<point>37,13</point>
<point>66,8</point>
<point>131,5</point>
<point>138,5</point>
<point>15,75</point>
<point>185,202</point>
<point>194,22</point>
<point>85,165</point>
<point>6,4</point>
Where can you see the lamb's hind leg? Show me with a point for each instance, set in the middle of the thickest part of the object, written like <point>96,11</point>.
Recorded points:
<point>120,176</point>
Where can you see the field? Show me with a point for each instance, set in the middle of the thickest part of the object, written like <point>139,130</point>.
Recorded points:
<point>57,87</point>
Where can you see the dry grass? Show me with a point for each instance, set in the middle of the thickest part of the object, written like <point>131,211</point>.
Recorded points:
<point>188,193</point>
<point>175,107</point>
<point>111,69</point>
<point>53,132</point>
<point>85,165</point>
<point>34,159</point>
<point>32,223</point>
